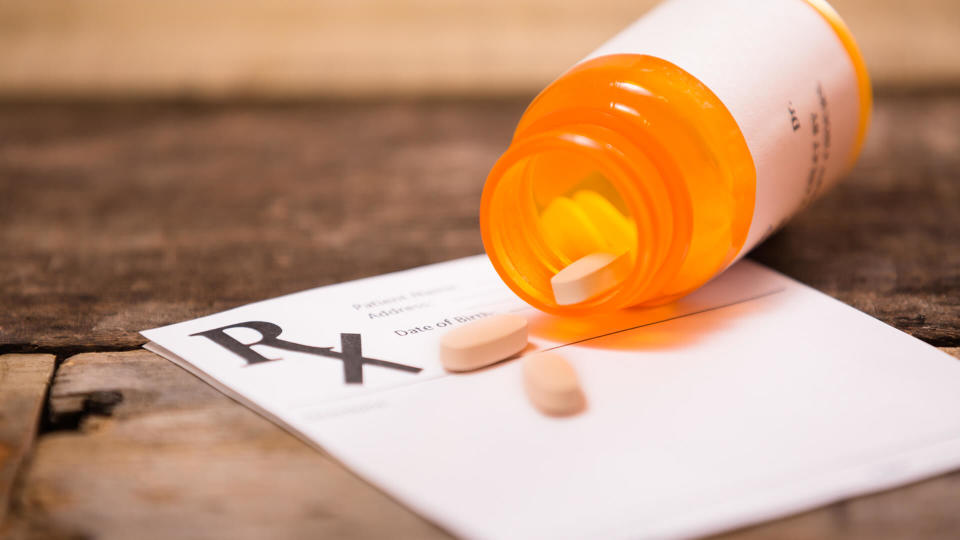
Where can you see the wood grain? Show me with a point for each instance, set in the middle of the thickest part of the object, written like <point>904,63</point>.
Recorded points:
<point>120,218</point>
<point>159,454</point>
<point>117,219</point>
<point>23,385</point>
<point>887,239</point>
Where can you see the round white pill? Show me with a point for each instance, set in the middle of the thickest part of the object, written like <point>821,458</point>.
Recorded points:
<point>589,277</point>
<point>483,342</point>
<point>552,384</point>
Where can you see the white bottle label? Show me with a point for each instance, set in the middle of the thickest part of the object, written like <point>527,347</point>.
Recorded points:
<point>784,75</point>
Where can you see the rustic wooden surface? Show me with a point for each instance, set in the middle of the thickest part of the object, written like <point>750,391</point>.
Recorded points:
<point>887,240</point>
<point>119,218</point>
<point>156,453</point>
<point>159,454</point>
<point>116,219</point>
<point>23,387</point>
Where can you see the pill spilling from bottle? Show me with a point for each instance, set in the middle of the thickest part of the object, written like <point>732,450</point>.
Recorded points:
<point>550,381</point>
<point>552,384</point>
<point>483,342</point>
<point>589,277</point>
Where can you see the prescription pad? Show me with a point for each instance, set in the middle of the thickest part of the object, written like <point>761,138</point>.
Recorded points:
<point>752,398</point>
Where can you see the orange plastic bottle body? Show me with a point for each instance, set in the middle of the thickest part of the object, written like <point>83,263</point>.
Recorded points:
<point>624,153</point>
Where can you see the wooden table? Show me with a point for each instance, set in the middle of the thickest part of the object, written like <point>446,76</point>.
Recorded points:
<point>117,218</point>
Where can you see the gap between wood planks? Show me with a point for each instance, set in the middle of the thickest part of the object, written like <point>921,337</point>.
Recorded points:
<point>102,403</point>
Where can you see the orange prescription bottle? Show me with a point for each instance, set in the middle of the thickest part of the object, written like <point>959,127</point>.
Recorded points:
<point>681,143</point>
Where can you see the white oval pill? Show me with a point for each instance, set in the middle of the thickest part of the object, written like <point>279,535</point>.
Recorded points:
<point>483,342</point>
<point>589,277</point>
<point>552,384</point>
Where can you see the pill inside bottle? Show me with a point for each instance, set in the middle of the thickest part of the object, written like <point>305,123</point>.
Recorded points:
<point>589,277</point>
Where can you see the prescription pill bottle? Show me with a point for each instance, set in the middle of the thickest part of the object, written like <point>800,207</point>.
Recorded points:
<point>681,144</point>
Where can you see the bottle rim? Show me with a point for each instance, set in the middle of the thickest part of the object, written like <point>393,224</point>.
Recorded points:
<point>656,217</point>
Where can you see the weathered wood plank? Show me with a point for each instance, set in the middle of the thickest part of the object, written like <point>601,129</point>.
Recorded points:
<point>887,239</point>
<point>120,218</point>
<point>115,220</point>
<point>23,385</point>
<point>159,454</point>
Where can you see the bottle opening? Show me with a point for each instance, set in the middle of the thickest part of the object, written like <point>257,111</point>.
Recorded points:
<point>624,154</point>
<point>555,204</point>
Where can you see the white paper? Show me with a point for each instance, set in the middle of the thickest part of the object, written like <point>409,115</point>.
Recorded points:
<point>752,398</point>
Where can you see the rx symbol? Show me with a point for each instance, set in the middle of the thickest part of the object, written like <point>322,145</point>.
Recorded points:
<point>350,354</point>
